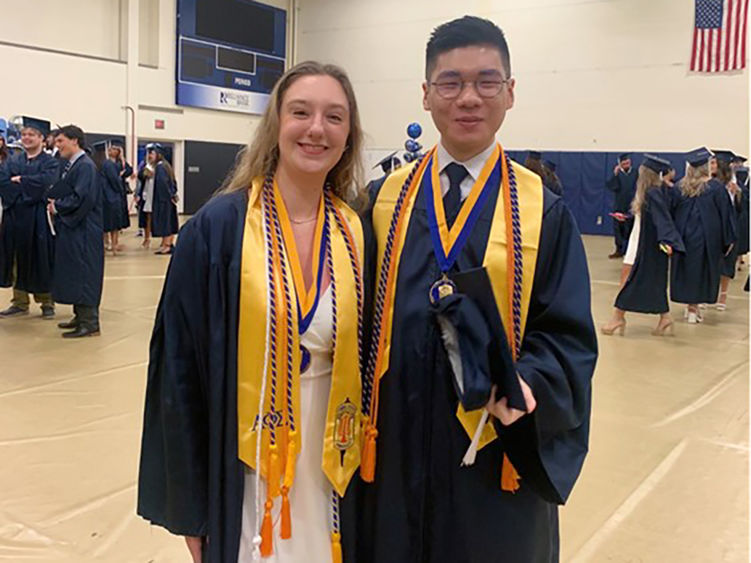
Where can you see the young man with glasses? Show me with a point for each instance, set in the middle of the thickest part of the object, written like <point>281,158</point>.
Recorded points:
<point>477,387</point>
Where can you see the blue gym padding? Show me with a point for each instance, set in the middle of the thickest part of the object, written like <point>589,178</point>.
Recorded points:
<point>583,175</point>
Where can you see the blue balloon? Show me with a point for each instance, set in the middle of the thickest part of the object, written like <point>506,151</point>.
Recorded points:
<point>411,146</point>
<point>414,130</point>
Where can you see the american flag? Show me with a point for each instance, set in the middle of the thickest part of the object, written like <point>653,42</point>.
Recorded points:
<point>719,35</point>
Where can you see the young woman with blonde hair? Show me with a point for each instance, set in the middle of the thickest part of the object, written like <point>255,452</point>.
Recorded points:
<point>702,214</point>
<point>645,290</point>
<point>252,420</point>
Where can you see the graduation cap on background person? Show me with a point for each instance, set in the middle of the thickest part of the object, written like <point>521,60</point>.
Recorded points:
<point>387,163</point>
<point>536,155</point>
<point>624,156</point>
<point>724,155</point>
<point>739,158</point>
<point>25,121</point>
<point>657,164</point>
<point>699,157</point>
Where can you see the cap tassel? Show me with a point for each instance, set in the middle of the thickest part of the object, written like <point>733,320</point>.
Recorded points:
<point>274,471</point>
<point>367,463</point>
<point>509,476</point>
<point>286,531</point>
<point>267,544</point>
<point>469,457</point>
<point>336,547</point>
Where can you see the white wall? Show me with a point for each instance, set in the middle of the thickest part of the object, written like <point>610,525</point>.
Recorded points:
<point>591,75</point>
<point>90,27</point>
<point>91,93</point>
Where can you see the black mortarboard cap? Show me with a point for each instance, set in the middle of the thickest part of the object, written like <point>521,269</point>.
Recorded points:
<point>551,165</point>
<point>480,338</point>
<point>624,156</point>
<point>699,157</point>
<point>725,156</point>
<point>659,165</point>
<point>536,155</point>
<point>40,125</point>
<point>155,147</point>
<point>387,162</point>
<point>116,143</point>
<point>739,158</point>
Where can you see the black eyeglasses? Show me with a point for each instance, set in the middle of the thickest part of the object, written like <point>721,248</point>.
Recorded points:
<point>450,88</point>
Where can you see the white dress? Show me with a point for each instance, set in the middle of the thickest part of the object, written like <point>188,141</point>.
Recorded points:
<point>633,242</point>
<point>310,497</point>
<point>148,195</point>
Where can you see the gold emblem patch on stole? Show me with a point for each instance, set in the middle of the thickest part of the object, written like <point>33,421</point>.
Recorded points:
<point>344,426</point>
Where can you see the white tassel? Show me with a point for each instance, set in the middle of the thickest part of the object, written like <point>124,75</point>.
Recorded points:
<point>257,547</point>
<point>469,457</point>
<point>451,343</point>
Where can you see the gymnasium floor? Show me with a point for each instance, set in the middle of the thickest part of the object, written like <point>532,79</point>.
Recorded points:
<point>666,479</point>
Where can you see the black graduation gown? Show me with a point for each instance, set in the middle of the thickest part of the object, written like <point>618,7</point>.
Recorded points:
<point>112,201</point>
<point>705,225</point>
<point>423,507</point>
<point>124,174</point>
<point>190,480</point>
<point>163,210</point>
<point>727,264</point>
<point>555,186</point>
<point>139,195</point>
<point>25,236</point>
<point>646,289</point>
<point>79,252</point>
<point>743,223</point>
<point>623,185</point>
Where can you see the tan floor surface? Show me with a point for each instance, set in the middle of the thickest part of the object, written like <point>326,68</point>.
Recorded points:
<point>666,479</point>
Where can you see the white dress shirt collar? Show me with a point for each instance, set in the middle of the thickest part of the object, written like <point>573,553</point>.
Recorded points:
<point>474,166</point>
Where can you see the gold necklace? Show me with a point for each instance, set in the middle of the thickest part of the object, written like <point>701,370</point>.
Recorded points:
<point>302,221</point>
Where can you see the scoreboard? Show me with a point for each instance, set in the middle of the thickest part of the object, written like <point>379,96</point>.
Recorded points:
<point>230,53</point>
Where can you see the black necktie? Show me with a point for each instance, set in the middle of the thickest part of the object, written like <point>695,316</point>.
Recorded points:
<point>67,166</point>
<point>452,201</point>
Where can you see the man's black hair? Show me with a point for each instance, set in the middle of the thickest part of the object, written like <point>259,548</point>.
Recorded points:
<point>467,31</point>
<point>72,132</point>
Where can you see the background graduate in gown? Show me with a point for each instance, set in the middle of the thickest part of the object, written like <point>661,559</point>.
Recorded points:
<point>163,217</point>
<point>742,178</point>
<point>421,505</point>
<point>623,184</point>
<point>112,199</point>
<point>725,175</point>
<point>701,210</point>
<point>646,289</point>
<point>76,203</point>
<point>26,241</point>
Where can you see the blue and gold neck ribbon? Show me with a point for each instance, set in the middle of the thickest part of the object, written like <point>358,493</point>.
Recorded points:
<point>449,243</point>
